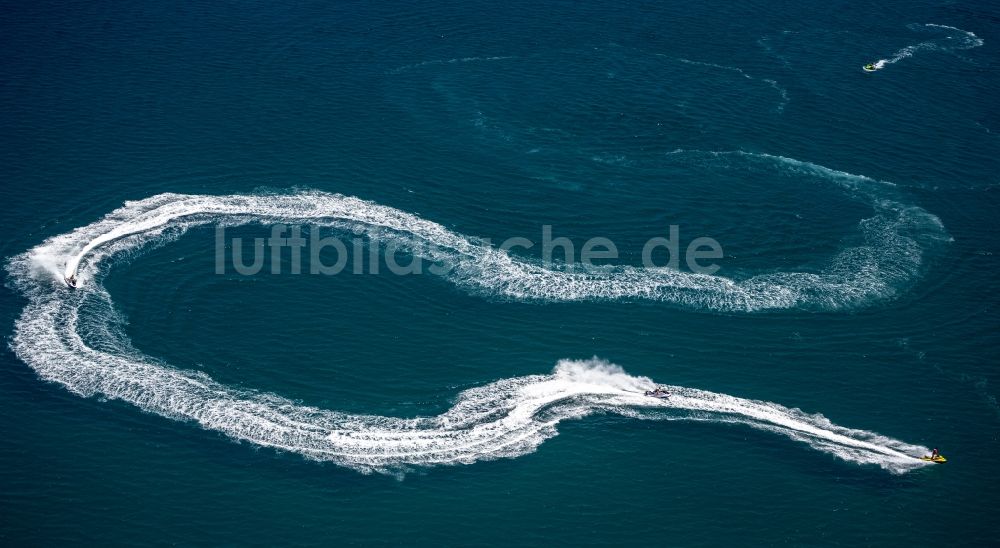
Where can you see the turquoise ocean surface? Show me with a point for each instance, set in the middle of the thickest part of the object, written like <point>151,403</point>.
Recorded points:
<point>497,396</point>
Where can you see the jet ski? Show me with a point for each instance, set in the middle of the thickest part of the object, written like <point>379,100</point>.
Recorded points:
<point>70,281</point>
<point>658,393</point>
<point>938,459</point>
<point>870,67</point>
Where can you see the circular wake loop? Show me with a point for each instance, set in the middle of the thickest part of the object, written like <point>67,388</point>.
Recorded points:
<point>955,40</point>
<point>896,240</point>
<point>78,346</point>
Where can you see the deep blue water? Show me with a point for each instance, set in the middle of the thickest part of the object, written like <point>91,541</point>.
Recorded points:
<point>856,211</point>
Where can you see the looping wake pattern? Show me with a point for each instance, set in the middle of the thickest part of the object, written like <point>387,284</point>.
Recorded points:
<point>956,39</point>
<point>69,336</point>
<point>895,240</point>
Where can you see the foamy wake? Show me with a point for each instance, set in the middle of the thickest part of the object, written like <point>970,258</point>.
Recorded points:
<point>890,255</point>
<point>956,39</point>
<point>782,92</point>
<point>455,61</point>
<point>71,336</point>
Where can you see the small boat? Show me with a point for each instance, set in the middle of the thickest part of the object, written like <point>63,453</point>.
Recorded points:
<point>936,458</point>
<point>658,393</point>
<point>870,67</point>
<point>70,281</point>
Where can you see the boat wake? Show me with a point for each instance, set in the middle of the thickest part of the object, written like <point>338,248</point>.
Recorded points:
<point>504,419</point>
<point>782,92</point>
<point>894,243</point>
<point>72,336</point>
<point>955,39</point>
<point>457,60</point>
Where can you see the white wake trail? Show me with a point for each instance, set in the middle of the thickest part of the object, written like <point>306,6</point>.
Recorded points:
<point>957,39</point>
<point>70,337</point>
<point>456,60</point>
<point>504,419</point>
<point>896,239</point>
<point>782,92</point>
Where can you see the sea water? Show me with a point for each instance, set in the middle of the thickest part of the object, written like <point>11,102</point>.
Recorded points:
<point>497,394</point>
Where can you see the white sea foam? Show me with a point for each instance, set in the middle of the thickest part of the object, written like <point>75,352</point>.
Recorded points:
<point>782,92</point>
<point>454,61</point>
<point>737,70</point>
<point>895,241</point>
<point>956,39</point>
<point>503,419</point>
<point>70,336</point>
